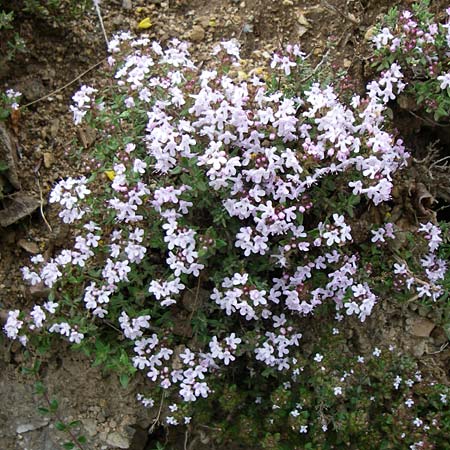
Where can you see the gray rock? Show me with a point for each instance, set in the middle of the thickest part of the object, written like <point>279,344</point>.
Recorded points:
<point>31,426</point>
<point>32,88</point>
<point>8,155</point>
<point>90,426</point>
<point>19,205</point>
<point>118,440</point>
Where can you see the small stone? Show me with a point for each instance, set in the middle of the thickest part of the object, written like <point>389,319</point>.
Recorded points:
<point>421,327</point>
<point>302,20</point>
<point>30,247</point>
<point>90,426</point>
<point>118,20</point>
<point>39,290</point>
<point>317,51</point>
<point>54,127</point>
<point>126,4</point>
<point>197,34</point>
<point>32,88</point>
<point>301,31</point>
<point>204,21</point>
<point>48,159</point>
<point>419,348</point>
<point>117,440</point>
<point>18,206</point>
<point>346,63</point>
<point>26,427</point>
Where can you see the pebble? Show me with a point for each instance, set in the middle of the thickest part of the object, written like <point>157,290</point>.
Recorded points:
<point>54,127</point>
<point>26,427</point>
<point>49,159</point>
<point>90,426</point>
<point>421,327</point>
<point>39,290</point>
<point>30,247</point>
<point>197,34</point>
<point>117,440</point>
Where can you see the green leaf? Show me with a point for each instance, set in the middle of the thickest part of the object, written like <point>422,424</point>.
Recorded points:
<point>124,380</point>
<point>82,439</point>
<point>220,243</point>
<point>43,410</point>
<point>201,186</point>
<point>74,423</point>
<point>177,170</point>
<point>39,388</point>
<point>68,445</point>
<point>54,405</point>
<point>60,426</point>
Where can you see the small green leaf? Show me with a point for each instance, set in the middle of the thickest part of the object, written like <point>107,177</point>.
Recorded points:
<point>69,445</point>
<point>201,186</point>
<point>43,410</point>
<point>39,388</point>
<point>124,380</point>
<point>176,170</point>
<point>60,426</point>
<point>82,439</point>
<point>54,405</point>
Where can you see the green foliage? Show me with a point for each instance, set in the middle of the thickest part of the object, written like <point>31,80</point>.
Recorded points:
<point>11,42</point>
<point>419,44</point>
<point>379,400</point>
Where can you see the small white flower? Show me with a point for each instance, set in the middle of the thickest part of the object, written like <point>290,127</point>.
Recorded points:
<point>318,357</point>
<point>417,422</point>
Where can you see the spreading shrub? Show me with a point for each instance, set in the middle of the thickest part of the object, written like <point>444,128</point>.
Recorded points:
<point>223,217</point>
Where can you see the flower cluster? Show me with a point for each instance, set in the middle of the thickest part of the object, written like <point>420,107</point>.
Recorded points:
<point>421,44</point>
<point>83,102</point>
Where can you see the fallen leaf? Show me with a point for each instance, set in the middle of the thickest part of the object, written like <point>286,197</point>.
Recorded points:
<point>110,174</point>
<point>15,120</point>
<point>145,23</point>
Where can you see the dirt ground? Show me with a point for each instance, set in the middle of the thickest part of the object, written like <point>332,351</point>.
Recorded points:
<point>59,56</point>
